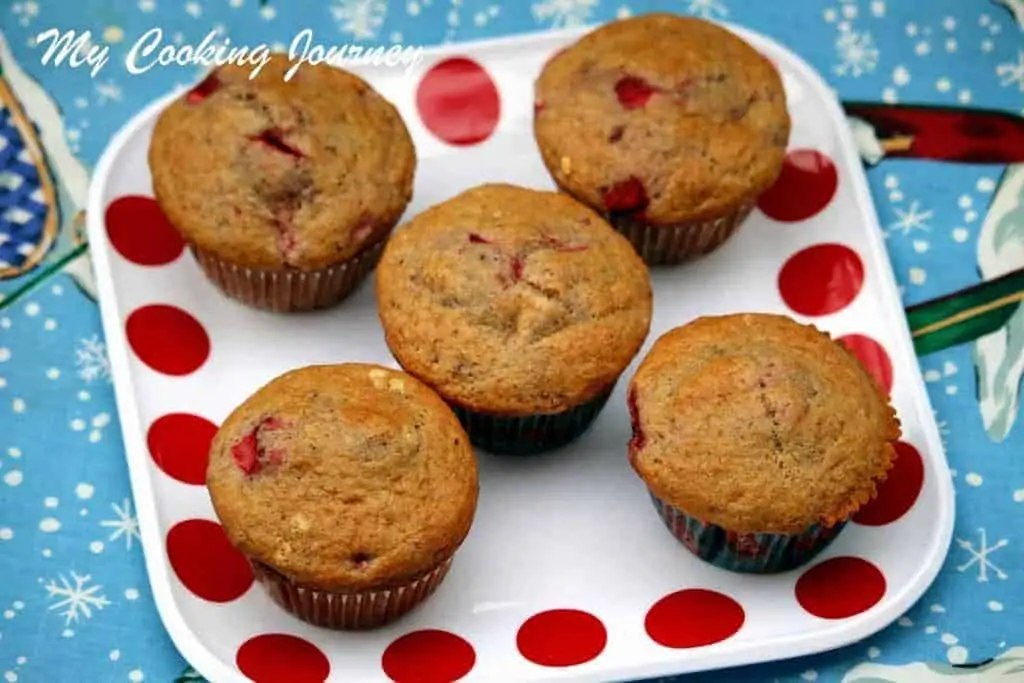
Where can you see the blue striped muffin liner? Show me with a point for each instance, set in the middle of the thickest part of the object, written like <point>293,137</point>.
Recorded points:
<point>531,434</point>
<point>747,553</point>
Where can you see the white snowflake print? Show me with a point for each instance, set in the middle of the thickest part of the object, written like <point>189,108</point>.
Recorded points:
<point>563,13</point>
<point>25,11</point>
<point>360,18</point>
<point>1012,72</point>
<point>912,218</point>
<point>125,524</point>
<point>857,53</point>
<point>91,359</point>
<point>484,17</point>
<point>98,422</point>
<point>943,430</point>
<point>76,598</point>
<point>414,7</point>
<point>107,92</point>
<point>453,20</point>
<point>979,556</point>
<point>709,9</point>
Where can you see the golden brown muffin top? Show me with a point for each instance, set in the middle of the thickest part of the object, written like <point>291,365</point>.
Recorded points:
<point>757,424</point>
<point>268,173</point>
<point>671,117</point>
<point>513,301</point>
<point>344,477</point>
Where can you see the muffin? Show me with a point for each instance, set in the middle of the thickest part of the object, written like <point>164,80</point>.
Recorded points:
<point>670,126</point>
<point>521,308</point>
<point>348,487</point>
<point>758,438</point>
<point>285,191</point>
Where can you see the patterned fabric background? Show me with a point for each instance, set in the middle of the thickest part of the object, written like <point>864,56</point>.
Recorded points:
<point>74,596</point>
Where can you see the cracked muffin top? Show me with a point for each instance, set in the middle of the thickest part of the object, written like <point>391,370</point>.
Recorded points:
<point>759,424</point>
<point>268,173</point>
<point>344,477</point>
<point>670,116</point>
<point>513,301</point>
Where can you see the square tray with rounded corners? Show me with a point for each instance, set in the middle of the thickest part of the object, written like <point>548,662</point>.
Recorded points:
<point>574,529</point>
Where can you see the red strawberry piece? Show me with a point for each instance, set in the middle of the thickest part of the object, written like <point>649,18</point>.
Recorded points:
<point>537,107</point>
<point>517,268</point>
<point>273,138</point>
<point>748,546</point>
<point>559,245</point>
<point>806,543</point>
<point>270,424</point>
<point>246,453</point>
<point>639,438</point>
<point>363,230</point>
<point>626,195</point>
<point>204,89</point>
<point>361,559</point>
<point>633,92</point>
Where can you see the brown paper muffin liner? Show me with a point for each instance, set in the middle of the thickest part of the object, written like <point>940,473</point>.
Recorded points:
<point>664,245</point>
<point>359,610</point>
<point>289,290</point>
<point>750,553</point>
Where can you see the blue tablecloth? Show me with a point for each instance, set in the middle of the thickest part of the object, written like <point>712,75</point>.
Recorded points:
<point>73,592</point>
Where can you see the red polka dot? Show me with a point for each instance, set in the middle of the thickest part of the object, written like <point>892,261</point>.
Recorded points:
<point>898,493</point>
<point>561,637</point>
<point>872,356</point>
<point>140,232</point>
<point>428,657</point>
<point>167,339</point>
<point>180,446</point>
<point>205,561</point>
<point>840,587</point>
<point>805,186</point>
<point>694,617</point>
<point>459,102</point>
<point>276,657</point>
<point>822,279</point>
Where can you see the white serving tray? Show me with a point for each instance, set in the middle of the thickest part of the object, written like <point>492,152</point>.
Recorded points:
<point>574,529</point>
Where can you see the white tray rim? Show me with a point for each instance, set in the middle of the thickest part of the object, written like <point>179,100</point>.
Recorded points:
<point>722,656</point>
